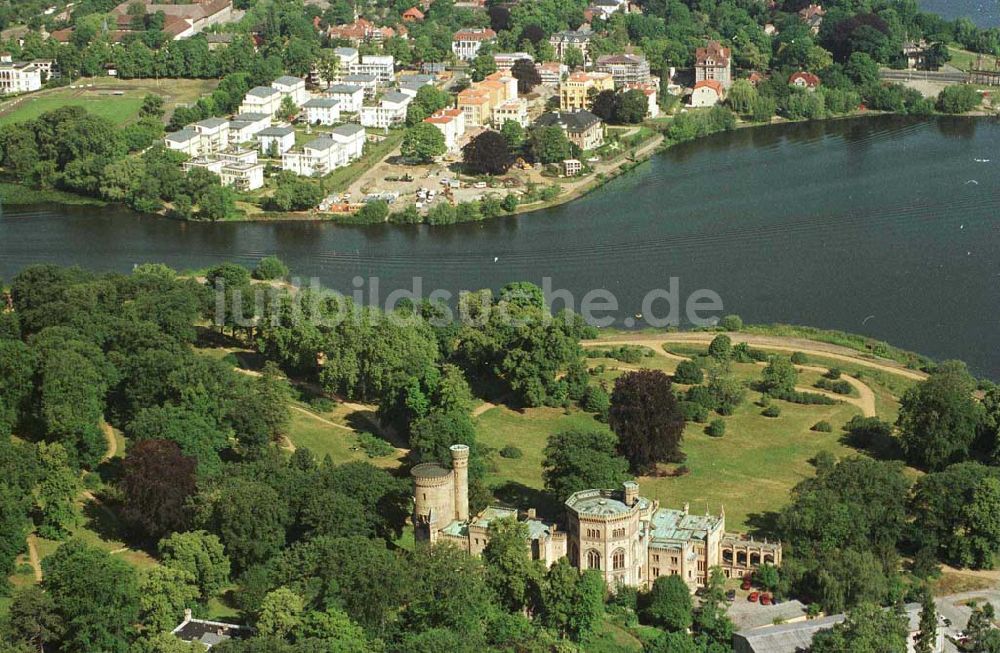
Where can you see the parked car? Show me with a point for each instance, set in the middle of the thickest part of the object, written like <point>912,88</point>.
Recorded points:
<point>753,597</point>
<point>731,595</point>
<point>765,599</point>
<point>746,584</point>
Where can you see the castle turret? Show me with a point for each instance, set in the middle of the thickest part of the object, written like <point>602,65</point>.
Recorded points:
<point>433,499</point>
<point>460,466</point>
<point>631,493</point>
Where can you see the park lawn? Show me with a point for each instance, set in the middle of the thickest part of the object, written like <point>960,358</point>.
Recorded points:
<point>528,430</point>
<point>323,440</point>
<point>119,110</point>
<point>751,469</point>
<point>964,59</point>
<point>340,179</point>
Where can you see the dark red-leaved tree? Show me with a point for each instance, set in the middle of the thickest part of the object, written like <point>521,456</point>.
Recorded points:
<point>526,74</point>
<point>647,419</point>
<point>156,483</point>
<point>488,153</point>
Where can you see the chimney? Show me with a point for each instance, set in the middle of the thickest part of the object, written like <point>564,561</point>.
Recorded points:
<point>187,615</point>
<point>686,507</point>
<point>631,492</point>
<point>531,513</point>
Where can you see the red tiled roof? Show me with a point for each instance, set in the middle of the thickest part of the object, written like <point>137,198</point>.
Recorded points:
<point>810,80</point>
<point>715,51</point>
<point>485,34</point>
<point>413,14</point>
<point>713,84</point>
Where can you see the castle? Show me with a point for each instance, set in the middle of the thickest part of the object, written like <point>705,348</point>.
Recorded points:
<point>628,538</point>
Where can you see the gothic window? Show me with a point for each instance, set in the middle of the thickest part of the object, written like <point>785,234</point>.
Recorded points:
<point>618,559</point>
<point>593,559</point>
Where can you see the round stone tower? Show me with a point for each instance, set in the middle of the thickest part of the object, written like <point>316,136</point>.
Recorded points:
<point>460,467</point>
<point>433,499</point>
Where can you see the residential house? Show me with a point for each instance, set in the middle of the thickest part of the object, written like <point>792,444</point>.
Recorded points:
<point>516,110</point>
<point>551,72</point>
<point>805,80</point>
<point>413,15</point>
<point>322,111</point>
<point>243,177</point>
<point>390,111</point>
<point>185,140</point>
<point>208,633</point>
<point>244,127</point>
<point>477,107</point>
<point>563,41</point>
<point>582,128</point>
<point>574,91</point>
<point>603,9</point>
<point>349,97</point>
<point>367,82</point>
<point>707,93</point>
<point>451,123</point>
<point>316,158</point>
<point>625,69</point>
<point>292,87</point>
<point>361,31</point>
<point>410,84</point>
<point>261,99</point>
<point>276,139</point>
<point>915,53</point>
<point>180,20</point>
<point>214,133</point>
<point>572,167</point>
<point>812,16</point>
<point>466,42</point>
<point>20,77</point>
<point>505,60</point>
<point>348,57</point>
<point>351,138</point>
<point>383,67</point>
<point>651,93</point>
<point>714,62</point>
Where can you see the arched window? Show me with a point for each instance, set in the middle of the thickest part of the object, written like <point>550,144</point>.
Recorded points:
<point>593,559</point>
<point>727,556</point>
<point>754,558</point>
<point>618,559</point>
<point>768,558</point>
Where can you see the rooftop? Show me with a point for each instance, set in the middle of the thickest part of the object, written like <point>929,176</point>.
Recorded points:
<point>429,470</point>
<point>344,89</point>
<point>182,135</point>
<point>350,129</point>
<point>262,92</point>
<point>321,103</point>
<point>673,526</point>
<point>597,502</point>
<point>251,116</point>
<point>573,121</point>
<point>288,80</point>
<point>395,97</point>
<point>212,123</point>
<point>276,131</point>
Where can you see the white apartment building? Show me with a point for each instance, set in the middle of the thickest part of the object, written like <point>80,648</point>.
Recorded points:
<point>351,138</point>
<point>350,97</point>
<point>466,42</point>
<point>282,138</point>
<point>261,99</point>
<point>391,110</point>
<point>382,66</point>
<point>186,140</point>
<point>243,176</point>
<point>451,123</point>
<point>19,77</point>
<point>410,84</point>
<point>214,133</point>
<point>244,127</point>
<point>368,82</point>
<point>316,158</point>
<point>293,87</point>
<point>505,60</point>
<point>516,110</point>
<point>348,57</point>
<point>322,111</point>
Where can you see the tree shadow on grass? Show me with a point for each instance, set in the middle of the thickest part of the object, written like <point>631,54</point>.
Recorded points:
<point>762,525</point>
<point>109,471</point>
<point>367,421</point>
<point>100,518</point>
<point>521,496</point>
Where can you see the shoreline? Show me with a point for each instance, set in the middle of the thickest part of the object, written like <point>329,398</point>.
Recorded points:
<point>26,196</point>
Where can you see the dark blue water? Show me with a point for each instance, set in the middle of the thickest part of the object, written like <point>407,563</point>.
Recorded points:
<point>985,13</point>
<point>881,226</point>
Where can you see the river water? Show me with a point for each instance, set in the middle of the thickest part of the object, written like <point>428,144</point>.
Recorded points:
<point>882,226</point>
<point>985,13</point>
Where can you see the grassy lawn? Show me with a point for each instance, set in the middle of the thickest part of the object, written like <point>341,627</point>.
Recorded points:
<point>99,97</point>
<point>752,467</point>
<point>322,439</point>
<point>963,59</point>
<point>338,180</point>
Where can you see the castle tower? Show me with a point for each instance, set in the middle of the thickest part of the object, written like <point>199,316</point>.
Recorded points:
<point>460,467</point>
<point>433,499</point>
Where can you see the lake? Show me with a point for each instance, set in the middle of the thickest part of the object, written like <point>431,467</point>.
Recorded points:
<point>884,226</point>
<point>985,13</point>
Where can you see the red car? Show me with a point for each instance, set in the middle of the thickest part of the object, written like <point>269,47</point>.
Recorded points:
<point>765,599</point>
<point>753,597</point>
<point>746,584</point>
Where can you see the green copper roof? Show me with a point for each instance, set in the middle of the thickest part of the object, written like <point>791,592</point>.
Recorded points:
<point>672,526</point>
<point>597,502</point>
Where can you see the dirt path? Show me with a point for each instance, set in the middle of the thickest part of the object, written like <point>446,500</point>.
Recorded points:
<point>36,564</point>
<point>769,342</point>
<point>109,437</point>
<point>865,401</point>
<point>320,418</point>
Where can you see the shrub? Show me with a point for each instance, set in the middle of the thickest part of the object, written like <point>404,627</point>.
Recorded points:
<point>409,215</point>
<point>841,387</point>
<point>822,426</point>
<point>372,212</point>
<point>731,323</point>
<point>799,358</point>
<point>702,396</point>
<point>721,347</point>
<point>512,452</point>
<point>374,446</point>
<point>833,373</point>
<point>270,267</point>
<point>728,394</point>
<point>322,404</point>
<point>689,373</point>
<point>597,401</point>
<point>771,411</point>
<point>742,353</point>
<point>716,429</point>
<point>805,398</point>
<point>961,98</point>
<point>693,412</point>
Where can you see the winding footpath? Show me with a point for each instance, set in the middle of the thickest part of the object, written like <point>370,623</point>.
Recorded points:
<point>865,401</point>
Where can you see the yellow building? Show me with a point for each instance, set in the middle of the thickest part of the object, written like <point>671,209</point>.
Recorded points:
<point>574,91</point>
